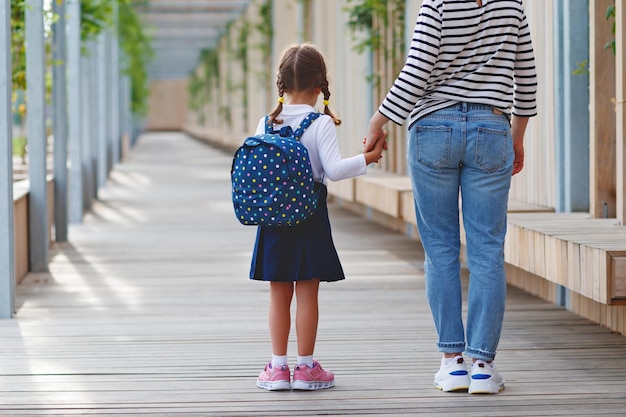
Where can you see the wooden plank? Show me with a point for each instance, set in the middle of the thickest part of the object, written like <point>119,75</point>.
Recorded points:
<point>602,136</point>
<point>382,192</point>
<point>617,276</point>
<point>620,110</point>
<point>343,189</point>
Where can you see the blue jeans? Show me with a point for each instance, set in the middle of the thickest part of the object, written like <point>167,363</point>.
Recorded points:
<point>464,149</point>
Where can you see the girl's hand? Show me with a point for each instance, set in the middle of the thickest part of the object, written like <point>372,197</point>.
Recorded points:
<point>376,153</point>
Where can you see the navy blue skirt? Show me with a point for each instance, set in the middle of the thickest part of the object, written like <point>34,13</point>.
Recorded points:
<point>297,253</point>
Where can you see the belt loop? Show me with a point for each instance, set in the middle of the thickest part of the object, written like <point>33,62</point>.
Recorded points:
<point>464,107</point>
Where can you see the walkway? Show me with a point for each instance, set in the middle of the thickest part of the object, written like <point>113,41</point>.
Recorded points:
<point>148,311</point>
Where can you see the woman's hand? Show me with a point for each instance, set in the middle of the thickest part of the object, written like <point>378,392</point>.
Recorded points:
<point>376,152</point>
<point>375,132</point>
<point>518,162</point>
<point>518,129</point>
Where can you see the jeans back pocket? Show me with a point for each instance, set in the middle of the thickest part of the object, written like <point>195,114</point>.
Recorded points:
<point>492,149</point>
<point>433,145</point>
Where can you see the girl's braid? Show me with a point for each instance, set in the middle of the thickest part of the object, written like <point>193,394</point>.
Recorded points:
<point>279,108</point>
<point>326,92</point>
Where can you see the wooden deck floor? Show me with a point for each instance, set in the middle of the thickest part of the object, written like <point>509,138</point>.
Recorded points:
<point>148,311</point>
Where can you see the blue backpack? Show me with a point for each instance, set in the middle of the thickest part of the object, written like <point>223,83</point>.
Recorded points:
<point>272,178</point>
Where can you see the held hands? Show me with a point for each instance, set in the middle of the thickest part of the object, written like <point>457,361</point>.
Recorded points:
<point>374,152</point>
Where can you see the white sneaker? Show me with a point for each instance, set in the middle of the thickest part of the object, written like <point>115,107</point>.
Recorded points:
<point>485,379</point>
<point>453,376</point>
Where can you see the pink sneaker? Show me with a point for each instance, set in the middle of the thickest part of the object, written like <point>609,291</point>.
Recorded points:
<point>274,378</point>
<point>305,378</point>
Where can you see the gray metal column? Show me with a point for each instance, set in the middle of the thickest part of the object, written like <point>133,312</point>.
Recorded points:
<point>571,105</point>
<point>94,116</point>
<point>103,119</point>
<point>7,250</point>
<point>115,89</point>
<point>126,116</point>
<point>75,109</point>
<point>88,132</point>
<point>59,93</point>
<point>108,38</point>
<point>38,230</point>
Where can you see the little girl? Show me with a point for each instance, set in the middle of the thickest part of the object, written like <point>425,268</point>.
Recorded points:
<point>297,258</point>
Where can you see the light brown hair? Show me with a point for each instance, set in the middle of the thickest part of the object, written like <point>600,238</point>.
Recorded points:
<point>301,68</point>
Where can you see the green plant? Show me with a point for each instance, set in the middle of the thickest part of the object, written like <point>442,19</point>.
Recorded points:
<point>19,147</point>
<point>383,21</point>
<point>204,81</point>
<point>18,47</point>
<point>239,38</point>
<point>241,55</point>
<point>138,51</point>
<point>582,68</point>
<point>266,33</point>
<point>96,16</point>
<point>363,16</point>
<point>610,15</point>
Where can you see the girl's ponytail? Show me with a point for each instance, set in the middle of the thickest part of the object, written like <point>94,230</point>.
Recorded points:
<point>327,111</point>
<point>279,107</point>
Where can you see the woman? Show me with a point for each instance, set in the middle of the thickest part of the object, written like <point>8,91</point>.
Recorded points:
<point>470,70</point>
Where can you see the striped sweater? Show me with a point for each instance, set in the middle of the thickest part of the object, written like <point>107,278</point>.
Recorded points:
<point>461,52</point>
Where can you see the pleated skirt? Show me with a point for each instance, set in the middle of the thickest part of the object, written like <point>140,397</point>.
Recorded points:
<point>298,253</point>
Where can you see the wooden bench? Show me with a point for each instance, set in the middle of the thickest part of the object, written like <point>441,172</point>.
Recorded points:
<point>585,255</point>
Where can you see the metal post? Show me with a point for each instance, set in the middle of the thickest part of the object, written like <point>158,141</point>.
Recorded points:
<point>101,97</point>
<point>92,159</point>
<point>59,91</point>
<point>38,230</point>
<point>88,132</point>
<point>109,95</point>
<point>115,88</point>
<point>125,110</point>
<point>75,110</point>
<point>7,253</point>
<point>572,106</point>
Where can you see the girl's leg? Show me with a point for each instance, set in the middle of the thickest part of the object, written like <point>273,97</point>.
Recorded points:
<point>307,315</point>
<point>308,374</point>
<point>281,294</point>
<point>276,375</point>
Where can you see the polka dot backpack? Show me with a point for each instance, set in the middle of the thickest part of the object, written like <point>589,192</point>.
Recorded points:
<point>272,178</point>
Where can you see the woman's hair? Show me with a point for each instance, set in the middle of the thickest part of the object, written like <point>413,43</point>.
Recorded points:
<point>301,68</point>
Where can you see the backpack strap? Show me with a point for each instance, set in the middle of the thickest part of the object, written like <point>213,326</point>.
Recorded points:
<point>268,129</point>
<point>284,131</point>
<point>306,122</point>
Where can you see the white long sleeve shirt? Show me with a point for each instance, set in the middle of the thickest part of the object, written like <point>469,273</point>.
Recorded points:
<point>464,53</point>
<point>320,139</point>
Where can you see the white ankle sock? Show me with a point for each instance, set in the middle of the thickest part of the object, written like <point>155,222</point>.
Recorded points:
<point>279,360</point>
<point>448,361</point>
<point>305,360</point>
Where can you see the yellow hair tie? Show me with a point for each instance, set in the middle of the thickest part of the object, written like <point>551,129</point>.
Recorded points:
<point>326,102</point>
<point>281,100</point>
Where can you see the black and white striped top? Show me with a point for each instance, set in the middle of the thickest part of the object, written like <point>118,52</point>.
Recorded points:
<point>461,52</point>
